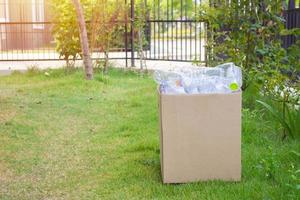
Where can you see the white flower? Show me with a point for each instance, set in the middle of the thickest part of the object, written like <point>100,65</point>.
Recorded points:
<point>276,89</point>
<point>292,90</point>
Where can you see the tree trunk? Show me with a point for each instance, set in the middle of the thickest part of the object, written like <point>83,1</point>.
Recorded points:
<point>84,40</point>
<point>141,50</point>
<point>105,70</point>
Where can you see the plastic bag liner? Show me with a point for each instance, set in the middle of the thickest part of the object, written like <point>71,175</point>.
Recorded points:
<point>225,78</point>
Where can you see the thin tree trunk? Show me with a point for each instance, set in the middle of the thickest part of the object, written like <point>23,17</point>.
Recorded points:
<point>141,48</point>
<point>87,61</point>
<point>105,70</point>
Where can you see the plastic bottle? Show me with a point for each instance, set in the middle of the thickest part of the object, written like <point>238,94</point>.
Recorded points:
<point>225,78</point>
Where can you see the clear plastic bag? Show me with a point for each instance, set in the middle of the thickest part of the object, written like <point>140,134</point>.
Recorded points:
<point>225,78</point>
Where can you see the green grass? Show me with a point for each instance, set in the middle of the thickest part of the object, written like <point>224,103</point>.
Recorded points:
<point>62,137</point>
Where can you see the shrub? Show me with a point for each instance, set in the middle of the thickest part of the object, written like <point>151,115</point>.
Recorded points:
<point>65,31</point>
<point>249,36</point>
<point>105,25</point>
<point>103,28</point>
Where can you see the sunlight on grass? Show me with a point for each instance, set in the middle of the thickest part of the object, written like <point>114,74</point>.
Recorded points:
<point>66,138</point>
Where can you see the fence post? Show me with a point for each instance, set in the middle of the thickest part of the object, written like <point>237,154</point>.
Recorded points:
<point>291,4</point>
<point>126,35</point>
<point>132,32</point>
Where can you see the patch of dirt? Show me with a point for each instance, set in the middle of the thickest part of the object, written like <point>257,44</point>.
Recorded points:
<point>7,115</point>
<point>5,174</point>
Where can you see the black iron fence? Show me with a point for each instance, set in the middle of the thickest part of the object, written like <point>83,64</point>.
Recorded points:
<point>176,34</point>
<point>292,18</point>
<point>34,41</point>
<point>26,41</point>
<point>172,33</point>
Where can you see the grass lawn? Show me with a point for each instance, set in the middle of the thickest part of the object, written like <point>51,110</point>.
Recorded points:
<point>62,137</point>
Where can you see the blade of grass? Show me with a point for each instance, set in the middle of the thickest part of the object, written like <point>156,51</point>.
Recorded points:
<point>277,115</point>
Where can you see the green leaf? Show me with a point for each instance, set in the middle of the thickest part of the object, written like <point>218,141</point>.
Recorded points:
<point>296,153</point>
<point>262,51</point>
<point>294,31</point>
<point>277,115</point>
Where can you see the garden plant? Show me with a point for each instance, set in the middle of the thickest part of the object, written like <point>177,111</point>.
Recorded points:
<point>63,137</point>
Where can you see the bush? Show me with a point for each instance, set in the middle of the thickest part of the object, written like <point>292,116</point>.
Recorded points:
<point>249,36</point>
<point>65,31</point>
<point>104,31</point>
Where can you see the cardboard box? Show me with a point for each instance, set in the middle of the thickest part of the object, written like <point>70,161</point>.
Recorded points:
<point>200,137</point>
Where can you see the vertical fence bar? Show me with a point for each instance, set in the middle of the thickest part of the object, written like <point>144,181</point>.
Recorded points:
<point>206,38</point>
<point>201,36</point>
<point>148,29</point>
<point>132,32</point>
<point>163,40</point>
<point>172,23</point>
<point>176,39</point>
<point>1,41</point>
<point>185,28</point>
<point>195,24</point>
<point>154,29</point>
<point>181,23</point>
<point>168,18</point>
<point>6,46</point>
<point>163,36</point>
<point>126,35</point>
<point>158,28</point>
<point>190,51</point>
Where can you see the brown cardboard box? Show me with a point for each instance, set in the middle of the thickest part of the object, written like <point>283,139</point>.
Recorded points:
<point>200,137</point>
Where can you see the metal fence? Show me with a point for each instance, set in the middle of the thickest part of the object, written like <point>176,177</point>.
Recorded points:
<point>171,35</point>
<point>176,33</point>
<point>21,41</point>
<point>292,18</point>
<point>172,31</point>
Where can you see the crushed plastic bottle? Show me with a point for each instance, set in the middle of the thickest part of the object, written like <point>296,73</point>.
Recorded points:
<point>170,82</point>
<point>225,78</point>
<point>233,74</point>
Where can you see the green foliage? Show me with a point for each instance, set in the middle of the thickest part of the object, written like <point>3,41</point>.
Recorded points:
<point>106,29</point>
<point>33,70</point>
<point>294,177</point>
<point>281,97</point>
<point>65,30</point>
<point>292,59</point>
<point>141,14</point>
<point>269,164</point>
<point>102,18</point>
<point>293,31</point>
<point>101,77</point>
<point>141,11</point>
<point>289,119</point>
<point>248,35</point>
